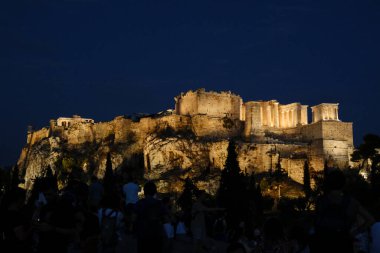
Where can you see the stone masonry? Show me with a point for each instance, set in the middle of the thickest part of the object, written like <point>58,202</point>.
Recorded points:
<point>268,134</point>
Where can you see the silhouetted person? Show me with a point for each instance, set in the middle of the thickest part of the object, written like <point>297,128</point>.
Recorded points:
<point>336,213</point>
<point>236,248</point>
<point>57,226</point>
<point>130,192</point>
<point>168,222</point>
<point>198,221</point>
<point>15,226</point>
<point>111,222</point>
<point>375,233</point>
<point>149,224</point>
<point>299,235</point>
<point>274,239</point>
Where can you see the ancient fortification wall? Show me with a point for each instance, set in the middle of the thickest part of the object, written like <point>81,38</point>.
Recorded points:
<point>214,104</point>
<point>337,130</point>
<point>330,140</point>
<point>205,126</point>
<point>36,136</point>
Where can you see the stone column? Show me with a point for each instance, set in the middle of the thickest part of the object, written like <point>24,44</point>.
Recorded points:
<point>299,114</point>
<point>276,116</point>
<point>287,118</point>
<point>291,117</point>
<point>318,115</point>
<point>304,120</point>
<point>248,120</point>
<point>284,123</point>
<point>331,113</point>
<point>336,113</point>
<point>269,116</point>
<point>242,110</point>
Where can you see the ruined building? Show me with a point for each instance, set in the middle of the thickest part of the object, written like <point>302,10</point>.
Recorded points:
<point>269,134</point>
<point>325,138</point>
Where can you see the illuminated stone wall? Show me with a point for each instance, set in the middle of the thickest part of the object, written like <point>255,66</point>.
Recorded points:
<point>213,104</point>
<point>67,122</point>
<point>36,136</point>
<point>325,111</point>
<point>292,115</point>
<point>199,130</point>
<point>205,126</point>
<point>271,114</point>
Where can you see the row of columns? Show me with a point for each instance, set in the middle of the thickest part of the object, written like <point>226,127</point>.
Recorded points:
<point>269,115</point>
<point>325,112</point>
<point>330,113</point>
<point>288,118</point>
<point>273,116</point>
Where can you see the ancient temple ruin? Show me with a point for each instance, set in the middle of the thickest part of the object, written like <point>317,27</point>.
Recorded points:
<point>269,122</point>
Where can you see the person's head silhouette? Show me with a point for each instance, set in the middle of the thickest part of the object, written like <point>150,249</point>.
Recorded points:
<point>150,189</point>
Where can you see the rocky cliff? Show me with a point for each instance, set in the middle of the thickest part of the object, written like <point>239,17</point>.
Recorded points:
<point>167,149</point>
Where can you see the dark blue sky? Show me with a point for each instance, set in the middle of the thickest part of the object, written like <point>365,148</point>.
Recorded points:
<point>102,58</point>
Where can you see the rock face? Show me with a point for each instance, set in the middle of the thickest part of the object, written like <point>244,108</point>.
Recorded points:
<point>192,141</point>
<point>159,149</point>
<point>149,147</point>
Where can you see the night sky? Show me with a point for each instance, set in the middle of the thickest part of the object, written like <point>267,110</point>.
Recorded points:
<point>102,58</point>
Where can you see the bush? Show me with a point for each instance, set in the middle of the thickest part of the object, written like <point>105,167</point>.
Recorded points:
<point>293,205</point>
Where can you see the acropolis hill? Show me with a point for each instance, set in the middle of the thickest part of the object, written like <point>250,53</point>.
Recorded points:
<point>194,136</point>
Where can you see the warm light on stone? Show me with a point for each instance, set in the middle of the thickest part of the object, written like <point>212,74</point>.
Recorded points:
<point>199,128</point>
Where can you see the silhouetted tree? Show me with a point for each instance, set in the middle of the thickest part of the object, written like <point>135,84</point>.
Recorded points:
<point>185,200</point>
<point>49,172</point>
<point>368,152</point>
<point>255,195</point>
<point>259,200</point>
<point>5,180</point>
<point>52,179</point>
<point>325,169</point>
<point>306,179</point>
<point>279,173</point>
<point>15,179</point>
<point>232,192</point>
<point>108,179</point>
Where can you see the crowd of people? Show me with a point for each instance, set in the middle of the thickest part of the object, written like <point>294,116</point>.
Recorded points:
<point>114,218</point>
